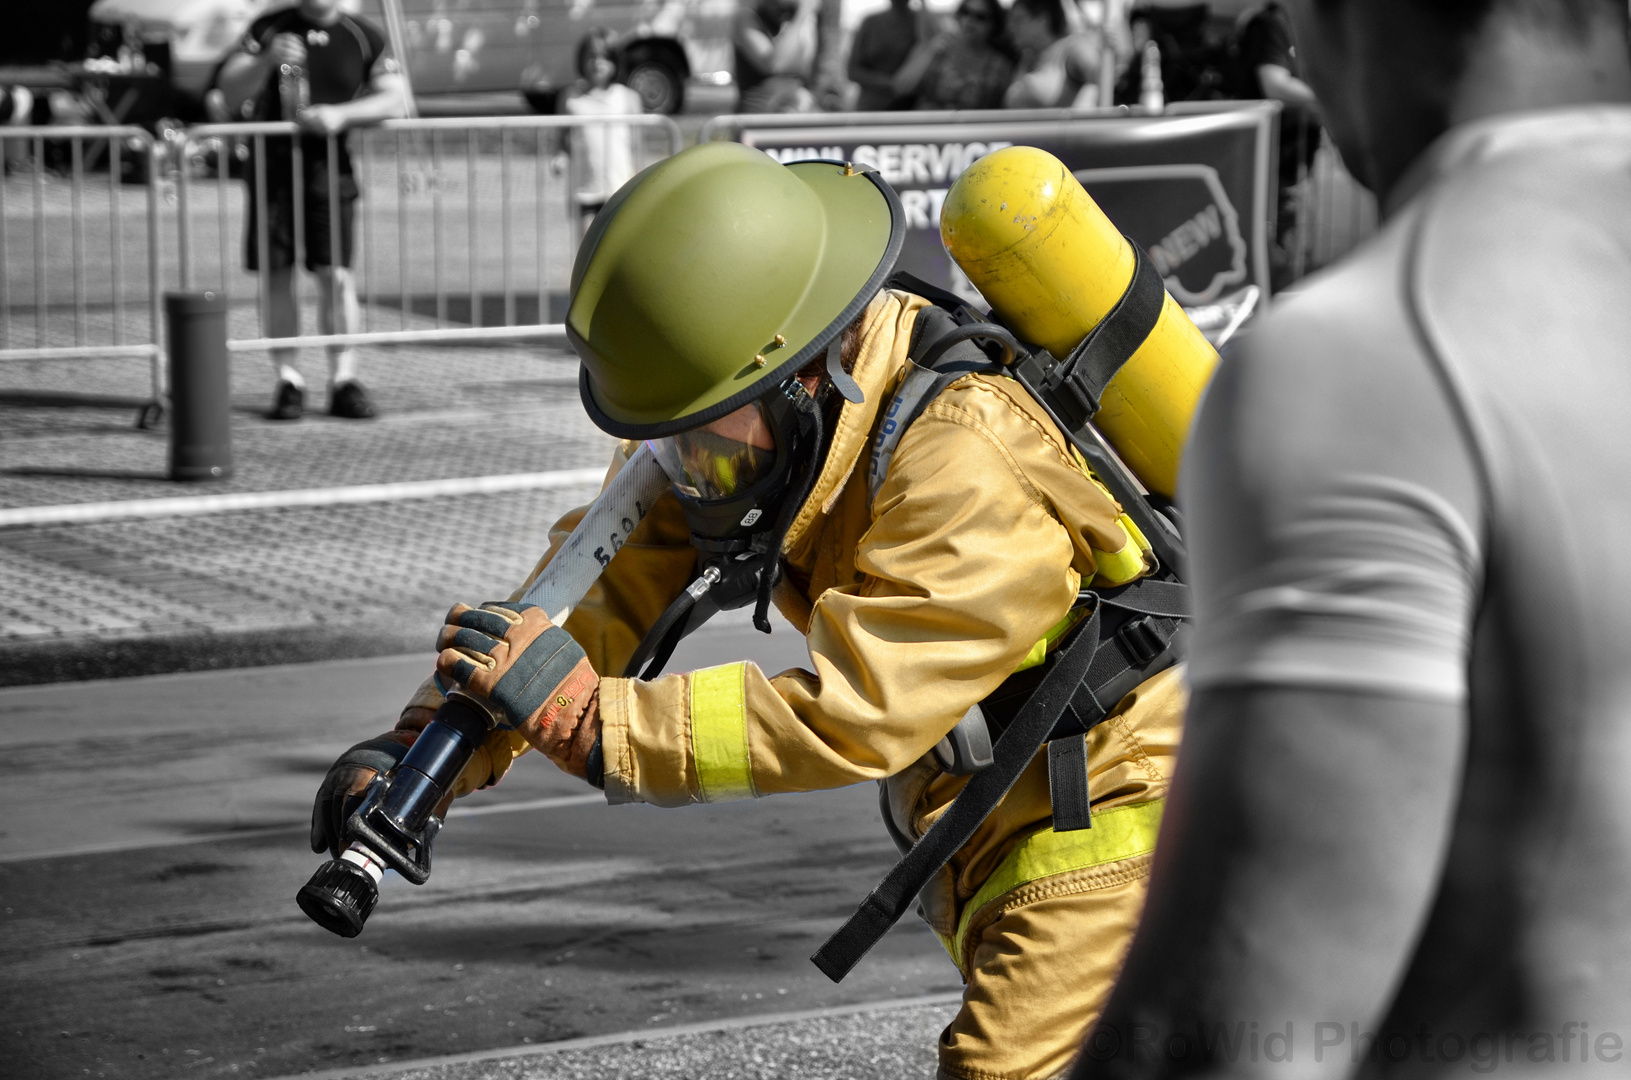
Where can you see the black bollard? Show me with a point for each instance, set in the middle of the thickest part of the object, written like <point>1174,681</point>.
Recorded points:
<point>200,414</point>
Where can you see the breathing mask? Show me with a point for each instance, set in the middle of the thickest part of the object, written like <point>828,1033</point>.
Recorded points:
<point>739,480</point>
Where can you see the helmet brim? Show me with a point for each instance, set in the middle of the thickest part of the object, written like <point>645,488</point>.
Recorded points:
<point>860,280</point>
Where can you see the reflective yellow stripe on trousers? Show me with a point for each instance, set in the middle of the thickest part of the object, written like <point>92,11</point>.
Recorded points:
<point>719,733</point>
<point>1121,833</point>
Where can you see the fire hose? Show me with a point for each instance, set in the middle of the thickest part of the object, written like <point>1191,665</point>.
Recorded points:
<point>394,825</point>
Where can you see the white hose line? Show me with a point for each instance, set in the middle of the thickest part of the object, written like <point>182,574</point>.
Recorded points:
<point>605,527</point>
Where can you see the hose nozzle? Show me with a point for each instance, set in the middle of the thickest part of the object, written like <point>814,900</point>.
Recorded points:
<point>343,892</point>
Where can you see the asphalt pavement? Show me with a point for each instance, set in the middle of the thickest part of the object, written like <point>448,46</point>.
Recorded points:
<point>154,834</point>
<point>178,668</point>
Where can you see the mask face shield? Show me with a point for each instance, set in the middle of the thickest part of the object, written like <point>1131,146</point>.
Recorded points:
<point>721,460</point>
<point>734,475</point>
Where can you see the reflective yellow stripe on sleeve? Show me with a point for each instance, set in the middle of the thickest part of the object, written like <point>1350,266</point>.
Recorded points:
<point>1121,833</point>
<point>1122,566</point>
<point>719,733</point>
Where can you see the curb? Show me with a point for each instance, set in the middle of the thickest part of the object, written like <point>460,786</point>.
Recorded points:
<point>55,660</point>
<point>625,1038</point>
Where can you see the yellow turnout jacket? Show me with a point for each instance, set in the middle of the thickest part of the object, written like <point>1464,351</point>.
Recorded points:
<point>916,605</point>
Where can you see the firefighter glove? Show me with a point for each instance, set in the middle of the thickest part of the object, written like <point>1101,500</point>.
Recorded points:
<point>347,779</point>
<point>536,677</point>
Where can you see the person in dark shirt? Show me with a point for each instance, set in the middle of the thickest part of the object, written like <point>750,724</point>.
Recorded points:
<point>1056,68</point>
<point>326,70</point>
<point>1195,42</point>
<point>775,47</point>
<point>1268,69</point>
<point>880,46</point>
<point>966,68</point>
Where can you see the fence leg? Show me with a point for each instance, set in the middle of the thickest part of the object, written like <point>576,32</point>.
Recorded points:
<point>200,416</point>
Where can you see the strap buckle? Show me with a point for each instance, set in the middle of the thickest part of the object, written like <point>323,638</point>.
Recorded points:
<point>1141,639</point>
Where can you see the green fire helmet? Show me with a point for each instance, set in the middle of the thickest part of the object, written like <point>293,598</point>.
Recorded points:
<point>714,275</point>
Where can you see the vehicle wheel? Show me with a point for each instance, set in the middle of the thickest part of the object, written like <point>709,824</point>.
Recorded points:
<point>660,87</point>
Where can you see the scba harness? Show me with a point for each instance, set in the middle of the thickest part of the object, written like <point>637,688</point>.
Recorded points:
<point>1125,635</point>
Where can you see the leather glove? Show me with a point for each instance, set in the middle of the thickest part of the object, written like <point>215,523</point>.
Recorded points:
<point>342,789</point>
<point>537,679</point>
<point>349,776</point>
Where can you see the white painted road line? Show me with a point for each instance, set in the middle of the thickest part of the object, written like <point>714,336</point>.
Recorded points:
<point>735,1023</point>
<point>183,505</point>
<point>549,802</point>
<point>552,802</point>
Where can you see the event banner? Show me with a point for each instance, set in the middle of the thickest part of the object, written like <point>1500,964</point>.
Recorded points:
<point>1190,187</point>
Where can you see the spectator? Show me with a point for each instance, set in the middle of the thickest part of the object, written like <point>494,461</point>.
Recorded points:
<point>1056,68</point>
<point>604,152</point>
<point>1400,809</point>
<point>16,110</point>
<point>775,44</point>
<point>965,68</point>
<point>1268,69</point>
<point>881,45</point>
<point>339,64</point>
<point>1195,44</point>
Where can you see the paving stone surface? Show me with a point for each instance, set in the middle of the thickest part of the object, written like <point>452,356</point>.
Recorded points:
<point>183,592</point>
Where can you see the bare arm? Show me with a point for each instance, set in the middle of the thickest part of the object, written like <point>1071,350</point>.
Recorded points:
<point>387,99</point>
<point>1043,87</point>
<point>1302,845</point>
<point>917,65</point>
<point>792,50</point>
<point>245,73</point>
<point>1336,579</point>
<point>1280,84</point>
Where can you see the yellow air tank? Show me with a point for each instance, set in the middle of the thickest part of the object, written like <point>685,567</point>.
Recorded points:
<point>1052,266</point>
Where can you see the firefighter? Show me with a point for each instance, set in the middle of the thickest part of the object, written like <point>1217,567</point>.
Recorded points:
<point>732,312</point>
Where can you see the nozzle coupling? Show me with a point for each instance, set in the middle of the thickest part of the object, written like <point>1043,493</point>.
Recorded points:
<point>343,892</point>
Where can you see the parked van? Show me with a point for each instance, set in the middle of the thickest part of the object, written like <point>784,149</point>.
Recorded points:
<point>453,46</point>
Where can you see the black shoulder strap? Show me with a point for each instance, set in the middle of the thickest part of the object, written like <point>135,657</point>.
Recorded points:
<point>944,347</point>
<point>1131,634</point>
<point>1075,384</point>
<point>1087,678</point>
<point>1014,750</point>
<point>911,283</point>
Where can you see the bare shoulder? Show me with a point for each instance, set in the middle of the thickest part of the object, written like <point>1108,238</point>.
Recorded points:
<point>1339,317</point>
<point>1341,344</point>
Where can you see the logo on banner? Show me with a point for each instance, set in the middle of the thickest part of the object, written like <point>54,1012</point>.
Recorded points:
<point>1185,220</point>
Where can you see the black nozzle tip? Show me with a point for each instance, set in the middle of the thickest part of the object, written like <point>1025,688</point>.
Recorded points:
<point>339,898</point>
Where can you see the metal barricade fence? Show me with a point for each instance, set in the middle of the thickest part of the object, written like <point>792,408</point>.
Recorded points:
<point>1333,213</point>
<point>464,229</point>
<point>80,250</point>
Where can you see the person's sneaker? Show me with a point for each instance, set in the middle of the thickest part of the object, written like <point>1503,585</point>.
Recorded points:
<point>350,401</point>
<point>289,404</point>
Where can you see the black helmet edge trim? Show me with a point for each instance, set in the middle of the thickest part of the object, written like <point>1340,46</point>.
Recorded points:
<point>782,371</point>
